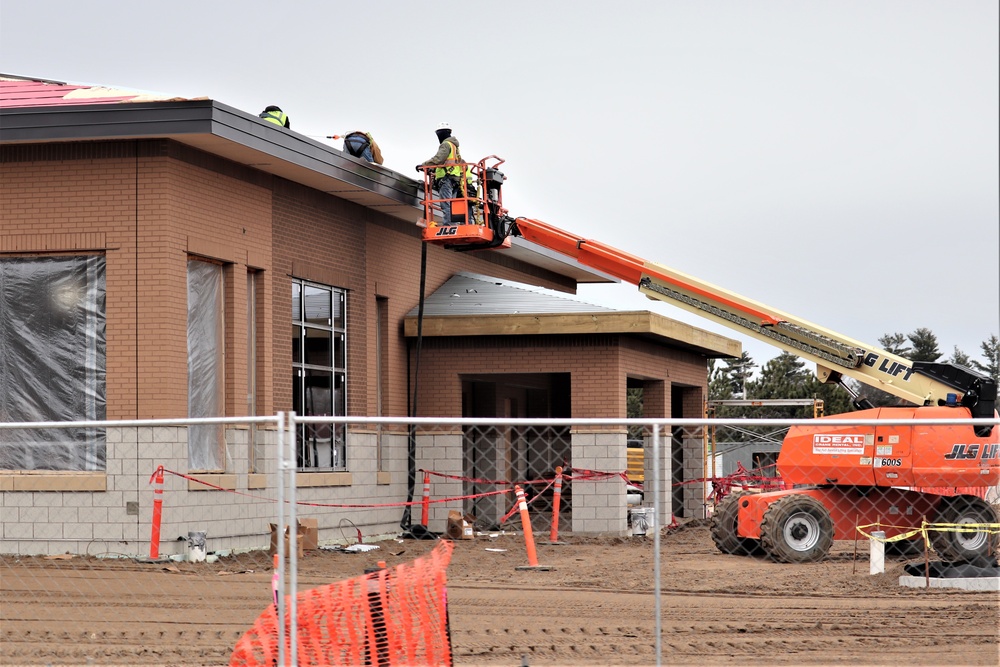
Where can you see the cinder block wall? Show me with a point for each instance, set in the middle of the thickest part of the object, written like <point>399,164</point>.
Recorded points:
<point>440,451</point>
<point>599,506</point>
<point>118,519</point>
<point>234,517</point>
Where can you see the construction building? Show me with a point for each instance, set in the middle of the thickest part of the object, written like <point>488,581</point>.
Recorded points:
<point>175,258</point>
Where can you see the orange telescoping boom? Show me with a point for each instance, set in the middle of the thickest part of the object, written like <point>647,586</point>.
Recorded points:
<point>839,476</point>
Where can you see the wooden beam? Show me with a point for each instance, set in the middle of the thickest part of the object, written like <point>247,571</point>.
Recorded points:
<point>640,322</point>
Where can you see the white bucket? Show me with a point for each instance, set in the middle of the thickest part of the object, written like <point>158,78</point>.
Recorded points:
<point>197,546</point>
<point>643,520</point>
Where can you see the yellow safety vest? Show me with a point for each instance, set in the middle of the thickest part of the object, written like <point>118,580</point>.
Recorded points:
<point>276,117</point>
<point>453,165</point>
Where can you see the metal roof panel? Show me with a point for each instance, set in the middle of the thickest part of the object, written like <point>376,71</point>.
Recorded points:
<point>474,294</point>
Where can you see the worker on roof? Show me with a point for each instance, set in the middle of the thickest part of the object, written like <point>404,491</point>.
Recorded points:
<point>273,114</point>
<point>452,178</point>
<point>362,145</point>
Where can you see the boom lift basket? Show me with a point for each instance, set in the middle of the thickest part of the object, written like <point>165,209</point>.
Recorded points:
<point>478,219</point>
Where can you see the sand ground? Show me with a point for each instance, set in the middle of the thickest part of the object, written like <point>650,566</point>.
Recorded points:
<point>595,607</point>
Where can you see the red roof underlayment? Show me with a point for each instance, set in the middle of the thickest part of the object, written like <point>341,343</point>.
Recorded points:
<point>18,91</point>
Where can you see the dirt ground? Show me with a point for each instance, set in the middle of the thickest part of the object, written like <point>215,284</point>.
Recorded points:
<point>595,607</point>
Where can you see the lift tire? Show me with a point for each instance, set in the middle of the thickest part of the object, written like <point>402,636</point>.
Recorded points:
<point>796,529</point>
<point>968,546</point>
<point>723,528</point>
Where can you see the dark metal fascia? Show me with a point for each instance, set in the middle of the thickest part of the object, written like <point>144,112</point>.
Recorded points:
<point>178,119</point>
<point>93,122</point>
<point>235,125</point>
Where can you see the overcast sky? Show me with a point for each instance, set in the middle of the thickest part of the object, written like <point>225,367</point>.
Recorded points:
<point>835,160</point>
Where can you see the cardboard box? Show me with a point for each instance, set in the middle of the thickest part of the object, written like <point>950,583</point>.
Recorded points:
<point>274,540</point>
<point>310,533</point>
<point>459,527</point>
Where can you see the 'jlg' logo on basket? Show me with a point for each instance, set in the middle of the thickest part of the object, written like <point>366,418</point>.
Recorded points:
<point>838,443</point>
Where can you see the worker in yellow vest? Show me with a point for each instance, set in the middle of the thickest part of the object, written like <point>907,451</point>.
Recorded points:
<point>273,114</point>
<point>451,177</point>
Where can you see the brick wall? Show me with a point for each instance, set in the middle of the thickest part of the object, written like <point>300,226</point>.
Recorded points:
<point>147,206</point>
<point>78,200</point>
<point>599,366</point>
<point>393,260</point>
<point>150,205</point>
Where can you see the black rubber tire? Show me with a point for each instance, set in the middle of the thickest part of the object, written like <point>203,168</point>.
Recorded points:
<point>905,548</point>
<point>723,528</point>
<point>796,529</point>
<point>970,546</point>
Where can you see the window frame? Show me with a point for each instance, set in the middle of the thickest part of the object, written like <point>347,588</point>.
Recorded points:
<point>308,363</point>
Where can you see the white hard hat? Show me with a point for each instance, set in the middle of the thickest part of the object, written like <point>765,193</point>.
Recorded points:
<point>444,126</point>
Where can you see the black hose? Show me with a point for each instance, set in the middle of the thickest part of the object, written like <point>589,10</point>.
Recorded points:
<point>411,450</point>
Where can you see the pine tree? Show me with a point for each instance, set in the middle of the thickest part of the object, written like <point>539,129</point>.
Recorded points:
<point>991,352</point>
<point>634,410</point>
<point>925,346</point>
<point>784,376</point>
<point>739,371</point>
<point>720,385</point>
<point>895,344</point>
<point>960,358</point>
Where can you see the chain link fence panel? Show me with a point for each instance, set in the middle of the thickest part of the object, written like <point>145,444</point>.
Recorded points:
<point>150,562</point>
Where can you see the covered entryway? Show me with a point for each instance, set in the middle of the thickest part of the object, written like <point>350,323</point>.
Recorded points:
<point>514,453</point>
<point>495,349</point>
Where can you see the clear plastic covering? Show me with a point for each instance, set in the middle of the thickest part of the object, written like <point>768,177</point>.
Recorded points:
<point>52,361</point>
<point>206,450</point>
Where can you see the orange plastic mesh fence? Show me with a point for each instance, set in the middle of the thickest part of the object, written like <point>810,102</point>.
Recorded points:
<point>395,616</point>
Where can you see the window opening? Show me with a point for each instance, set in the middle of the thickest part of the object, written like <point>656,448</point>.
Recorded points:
<point>206,364</point>
<point>382,368</point>
<point>256,450</point>
<point>319,376</point>
<point>52,361</point>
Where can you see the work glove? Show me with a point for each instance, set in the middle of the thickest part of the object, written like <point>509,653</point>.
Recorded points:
<point>420,168</point>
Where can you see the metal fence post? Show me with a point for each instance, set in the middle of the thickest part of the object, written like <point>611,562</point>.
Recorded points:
<point>293,538</point>
<point>280,532</point>
<point>656,542</point>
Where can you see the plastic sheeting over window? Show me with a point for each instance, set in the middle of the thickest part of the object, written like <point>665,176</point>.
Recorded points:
<point>206,364</point>
<point>52,361</point>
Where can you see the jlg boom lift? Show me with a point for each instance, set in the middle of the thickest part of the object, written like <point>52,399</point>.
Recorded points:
<point>841,476</point>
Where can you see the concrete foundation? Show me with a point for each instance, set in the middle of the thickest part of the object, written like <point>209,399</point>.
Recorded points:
<point>968,584</point>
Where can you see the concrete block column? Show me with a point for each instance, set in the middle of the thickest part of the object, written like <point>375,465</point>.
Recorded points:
<point>599,507</point>
<point>694,468</point>
<point>441,452</point>
<point>664,491</point>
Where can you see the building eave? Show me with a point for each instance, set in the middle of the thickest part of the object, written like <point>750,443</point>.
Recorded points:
<point>225,131</point>
<point>641,323</point>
